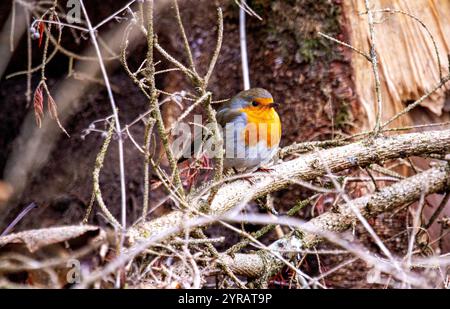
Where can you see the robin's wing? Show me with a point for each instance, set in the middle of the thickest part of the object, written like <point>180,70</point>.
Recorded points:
<point>227,115</point>
<point>189,151</point>
<point>223,116</point>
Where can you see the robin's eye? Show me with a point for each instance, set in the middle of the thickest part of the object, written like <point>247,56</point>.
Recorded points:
<point>255,103</point>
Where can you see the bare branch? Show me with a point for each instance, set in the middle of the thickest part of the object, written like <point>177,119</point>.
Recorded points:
<point>307,167</point>
<point>340,219</point>
<point>374,61</point>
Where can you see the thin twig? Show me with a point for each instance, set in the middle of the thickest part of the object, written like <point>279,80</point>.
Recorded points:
<point>13,25</point>
<point>356,50</point>
<point>96,178</point>
<point>170,58</point>
<point>116,119</point>
<point>29,59</point>
<point>243,41</point>
<point>418,102</point>
<point>438,57</point>
<point>216,53</point>
<point>147,139</point>
<point>374,61</point>
<point>107,19</point>
<point>19,217</point>
<point>183,34</point>
<point>415,227</point>
<point>438,211</point>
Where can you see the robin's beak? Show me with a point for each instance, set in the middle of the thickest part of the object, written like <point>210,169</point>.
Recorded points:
<point>273,104</point>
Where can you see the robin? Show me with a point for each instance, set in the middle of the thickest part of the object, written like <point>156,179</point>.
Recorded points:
<point>251,130</point>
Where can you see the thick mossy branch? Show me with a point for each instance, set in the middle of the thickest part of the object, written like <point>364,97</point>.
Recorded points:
<point>434,180</point>
<point>304,168</point>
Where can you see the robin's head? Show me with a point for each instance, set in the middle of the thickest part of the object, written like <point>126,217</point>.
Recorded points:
<point>255,99</point>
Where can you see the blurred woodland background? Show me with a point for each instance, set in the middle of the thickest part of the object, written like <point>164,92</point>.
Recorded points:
<point>326,93</point>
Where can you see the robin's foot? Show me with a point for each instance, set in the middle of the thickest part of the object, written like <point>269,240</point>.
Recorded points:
<point>263,169</point>
<point>249,179</point>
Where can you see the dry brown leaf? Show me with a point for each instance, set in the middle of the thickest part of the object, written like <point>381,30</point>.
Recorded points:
<point>38,104</point>
<point>54,113</point>
<point>36,239</point>
<point>52,107</point>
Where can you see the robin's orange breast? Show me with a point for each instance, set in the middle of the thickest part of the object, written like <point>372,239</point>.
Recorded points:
<point>263,124</point>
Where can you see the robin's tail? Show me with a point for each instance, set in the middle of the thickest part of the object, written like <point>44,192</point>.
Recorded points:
<point>193,149</point>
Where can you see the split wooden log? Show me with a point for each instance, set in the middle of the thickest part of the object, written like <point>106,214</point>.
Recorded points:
<point>408,63</point>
